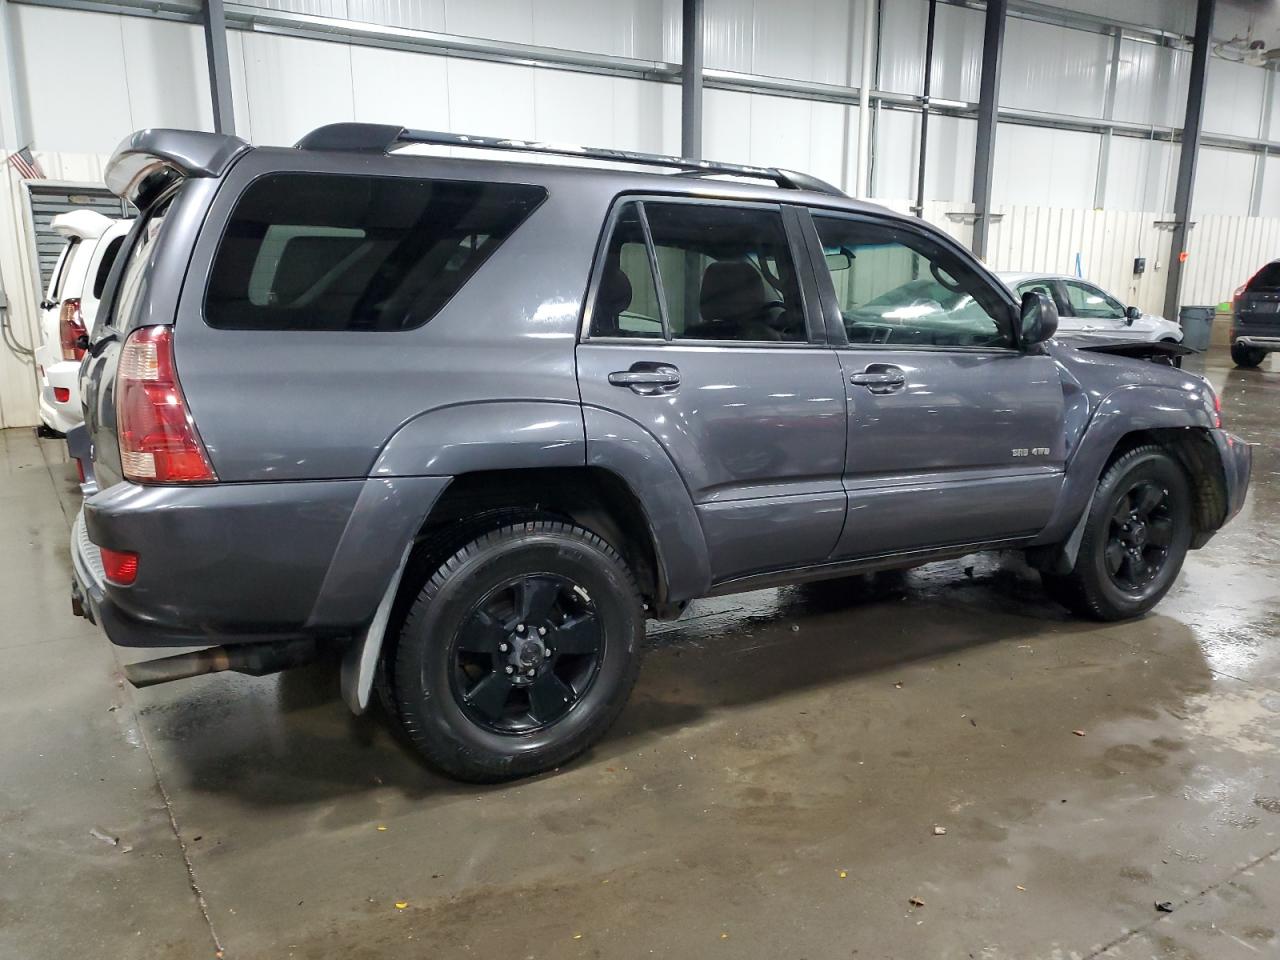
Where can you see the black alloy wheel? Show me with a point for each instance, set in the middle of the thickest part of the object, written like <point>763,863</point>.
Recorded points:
<point>519,651</point>
<point>1135,537</point>
<point>527,654</point>
<point>1141,532</point>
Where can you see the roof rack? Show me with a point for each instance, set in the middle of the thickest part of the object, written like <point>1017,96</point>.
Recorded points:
<point>382,138</point>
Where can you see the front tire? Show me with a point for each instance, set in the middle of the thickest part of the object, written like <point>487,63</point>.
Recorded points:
<point>1247,357</point>
<point>1135,539</point>
<point>519,653</point>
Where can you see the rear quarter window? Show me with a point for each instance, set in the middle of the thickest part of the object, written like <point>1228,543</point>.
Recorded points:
<point>307,251</point>
<point>104,265</point>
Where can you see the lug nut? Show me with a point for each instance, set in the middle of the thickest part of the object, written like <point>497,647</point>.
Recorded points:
<point>542,631</point>
<point>503,648</point>
<point>510,669</point>
<point>531,671</point>
<point>519,628</point>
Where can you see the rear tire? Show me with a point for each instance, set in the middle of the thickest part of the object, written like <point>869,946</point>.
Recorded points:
<point>1247,357</point>
<point>1135,539</point>
<point>519,653</point>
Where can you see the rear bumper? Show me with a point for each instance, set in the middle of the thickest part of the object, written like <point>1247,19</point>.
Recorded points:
<point>61,415</point>
<point>244,563</point>
<point>1260,343</point>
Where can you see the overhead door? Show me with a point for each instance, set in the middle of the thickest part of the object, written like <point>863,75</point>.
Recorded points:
<point>49,200</point>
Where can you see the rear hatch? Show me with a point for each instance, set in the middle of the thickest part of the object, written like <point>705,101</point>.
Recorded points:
<point>170,176</point>
<point>1257,304</point>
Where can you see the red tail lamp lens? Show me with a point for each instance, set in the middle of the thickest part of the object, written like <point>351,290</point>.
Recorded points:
<point>71,329</point>
<point>120,566</point>
<point>62,394</point>
<point>158,439</point>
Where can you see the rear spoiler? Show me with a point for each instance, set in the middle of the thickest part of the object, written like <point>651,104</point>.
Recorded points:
<point>148,161</point>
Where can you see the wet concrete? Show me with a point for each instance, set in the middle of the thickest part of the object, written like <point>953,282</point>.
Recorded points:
<point>772,790</point>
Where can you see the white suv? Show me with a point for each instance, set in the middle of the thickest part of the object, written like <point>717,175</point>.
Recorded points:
<point>68,309</point>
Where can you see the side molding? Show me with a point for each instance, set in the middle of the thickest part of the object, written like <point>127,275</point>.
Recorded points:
<point>626,449</point>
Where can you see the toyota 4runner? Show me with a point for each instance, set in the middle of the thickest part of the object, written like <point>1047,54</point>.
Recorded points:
<point>474,419</point>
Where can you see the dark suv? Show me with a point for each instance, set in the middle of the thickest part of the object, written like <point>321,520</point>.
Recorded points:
<point>473,421</point>
<point>1255,317</point>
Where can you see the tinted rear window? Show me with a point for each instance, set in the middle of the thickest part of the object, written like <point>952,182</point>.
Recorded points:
<point>306,251</point>
<point>1267,279</point>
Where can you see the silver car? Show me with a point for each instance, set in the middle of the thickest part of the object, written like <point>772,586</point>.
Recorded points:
<point>1085,309</point>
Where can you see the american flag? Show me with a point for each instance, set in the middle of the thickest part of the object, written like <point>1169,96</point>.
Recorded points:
<point>26,164</point>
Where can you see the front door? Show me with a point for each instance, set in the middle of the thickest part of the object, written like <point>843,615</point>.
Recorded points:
<point>699,333</point>
<point>1098,314</point>
<point>955,433</point>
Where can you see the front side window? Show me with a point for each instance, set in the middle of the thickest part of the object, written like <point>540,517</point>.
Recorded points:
<point>308,251</point>
<point>1087,301</point>
<point>896,287</point>
<point>726,274</point>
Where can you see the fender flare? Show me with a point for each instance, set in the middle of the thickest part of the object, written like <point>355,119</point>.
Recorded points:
<point>627,450</point>
<point>1129,409</point>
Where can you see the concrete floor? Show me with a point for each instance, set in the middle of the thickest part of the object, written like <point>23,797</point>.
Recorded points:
<point>772,790</point>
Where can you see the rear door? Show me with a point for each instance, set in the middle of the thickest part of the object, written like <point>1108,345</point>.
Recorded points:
<point>704,330</point>
<point>955,433</point>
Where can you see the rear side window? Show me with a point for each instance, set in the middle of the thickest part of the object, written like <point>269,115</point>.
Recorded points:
<point>1267,279</point>
<point>308,251</point>
<point>60,276</point>
<point>104,266</point>
<point>134,276</point>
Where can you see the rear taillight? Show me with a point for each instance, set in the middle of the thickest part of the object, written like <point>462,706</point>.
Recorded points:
<point>62,394</point>
<point>80,470</point>
<point>158,438</point>
<point>119,566</point>
<point>71,329</point>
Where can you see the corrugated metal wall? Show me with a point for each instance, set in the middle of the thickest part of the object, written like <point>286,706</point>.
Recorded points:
<point>149,72</point>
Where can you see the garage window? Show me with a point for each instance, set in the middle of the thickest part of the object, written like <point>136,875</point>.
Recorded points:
<point>307,251</point>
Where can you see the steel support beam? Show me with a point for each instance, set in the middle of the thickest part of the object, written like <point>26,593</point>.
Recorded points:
<point>1108,113</point>
<point>15,119</point>
<point>923,160</point>
<point>691,80</point>
<point>1264,132</point>
<point>215,46</point>
<point>984,160</point>
<point>1188,155</point>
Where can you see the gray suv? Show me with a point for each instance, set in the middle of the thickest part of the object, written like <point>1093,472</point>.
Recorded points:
<point>470,421</point>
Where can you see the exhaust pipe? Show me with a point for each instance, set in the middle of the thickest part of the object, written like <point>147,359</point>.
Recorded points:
<point>254,659</point>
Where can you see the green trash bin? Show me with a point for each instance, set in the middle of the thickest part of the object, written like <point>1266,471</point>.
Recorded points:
<point>1197,327</point>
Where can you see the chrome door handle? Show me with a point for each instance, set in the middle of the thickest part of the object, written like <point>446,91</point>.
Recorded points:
<point>647,379</point>
<point>880,378</point>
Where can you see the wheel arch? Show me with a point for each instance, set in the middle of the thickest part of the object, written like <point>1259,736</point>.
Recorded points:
<point>1126,419</point>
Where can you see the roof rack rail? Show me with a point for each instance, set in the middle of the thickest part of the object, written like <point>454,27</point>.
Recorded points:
<point>382,138</point>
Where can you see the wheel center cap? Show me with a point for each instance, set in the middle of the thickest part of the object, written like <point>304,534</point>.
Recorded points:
<point>530,653</point>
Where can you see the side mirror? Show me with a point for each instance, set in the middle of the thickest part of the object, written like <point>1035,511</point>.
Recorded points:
<point>1039,318</point>
<point>1131,314</point>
